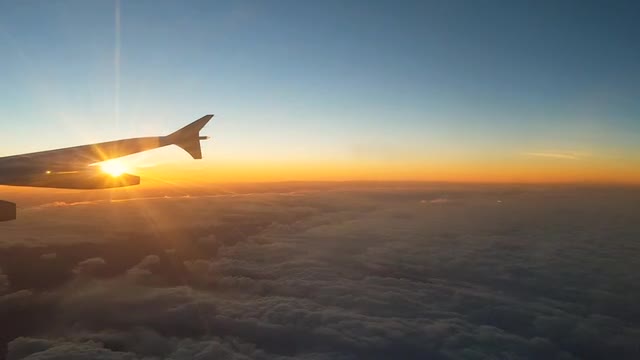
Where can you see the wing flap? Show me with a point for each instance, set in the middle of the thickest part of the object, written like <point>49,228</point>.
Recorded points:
<point>88,179</point>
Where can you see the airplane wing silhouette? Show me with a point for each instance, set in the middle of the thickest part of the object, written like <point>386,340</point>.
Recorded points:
<point>70,168</point>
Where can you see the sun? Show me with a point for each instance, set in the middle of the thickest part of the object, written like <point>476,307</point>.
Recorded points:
<point>114,168</point>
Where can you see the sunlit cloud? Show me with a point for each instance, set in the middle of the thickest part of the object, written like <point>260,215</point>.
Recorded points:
<point>436,201</point>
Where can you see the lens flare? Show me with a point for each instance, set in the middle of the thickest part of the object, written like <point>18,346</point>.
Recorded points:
<point>113,167</point>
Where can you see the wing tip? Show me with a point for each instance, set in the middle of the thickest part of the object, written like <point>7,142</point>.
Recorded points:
<point>188,138</point>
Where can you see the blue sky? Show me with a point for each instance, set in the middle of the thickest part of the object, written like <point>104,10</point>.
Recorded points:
<point>325,79</point>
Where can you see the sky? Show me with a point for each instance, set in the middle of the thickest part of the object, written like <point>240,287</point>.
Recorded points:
<point>518,91</point>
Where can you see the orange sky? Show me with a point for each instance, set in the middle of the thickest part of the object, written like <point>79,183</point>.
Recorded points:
<point>501,171</point>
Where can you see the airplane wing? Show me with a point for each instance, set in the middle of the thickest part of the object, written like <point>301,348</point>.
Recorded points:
<point>78,157</point>
<point>70,168</point>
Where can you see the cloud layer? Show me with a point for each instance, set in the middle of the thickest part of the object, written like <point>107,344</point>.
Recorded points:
<point>358,273</point>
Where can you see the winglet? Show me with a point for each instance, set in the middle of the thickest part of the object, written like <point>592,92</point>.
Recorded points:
<point>188,138</point>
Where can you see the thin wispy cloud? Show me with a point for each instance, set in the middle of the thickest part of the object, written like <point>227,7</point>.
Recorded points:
<point>558,155</point>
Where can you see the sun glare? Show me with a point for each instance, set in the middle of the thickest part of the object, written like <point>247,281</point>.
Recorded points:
<point>114,168</point>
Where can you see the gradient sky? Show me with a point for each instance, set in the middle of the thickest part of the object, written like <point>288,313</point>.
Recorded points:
<point>334,90</point>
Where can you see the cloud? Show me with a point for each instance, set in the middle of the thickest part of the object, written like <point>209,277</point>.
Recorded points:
<point>200,270</point>
<point>4,282</point>
<point>436,201</point>
<point>351,274</point>
<point>558,155</point>
<point>37,349</point>
<point>89,266</point>
<point>62,204</point>
<point>144,267</point>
